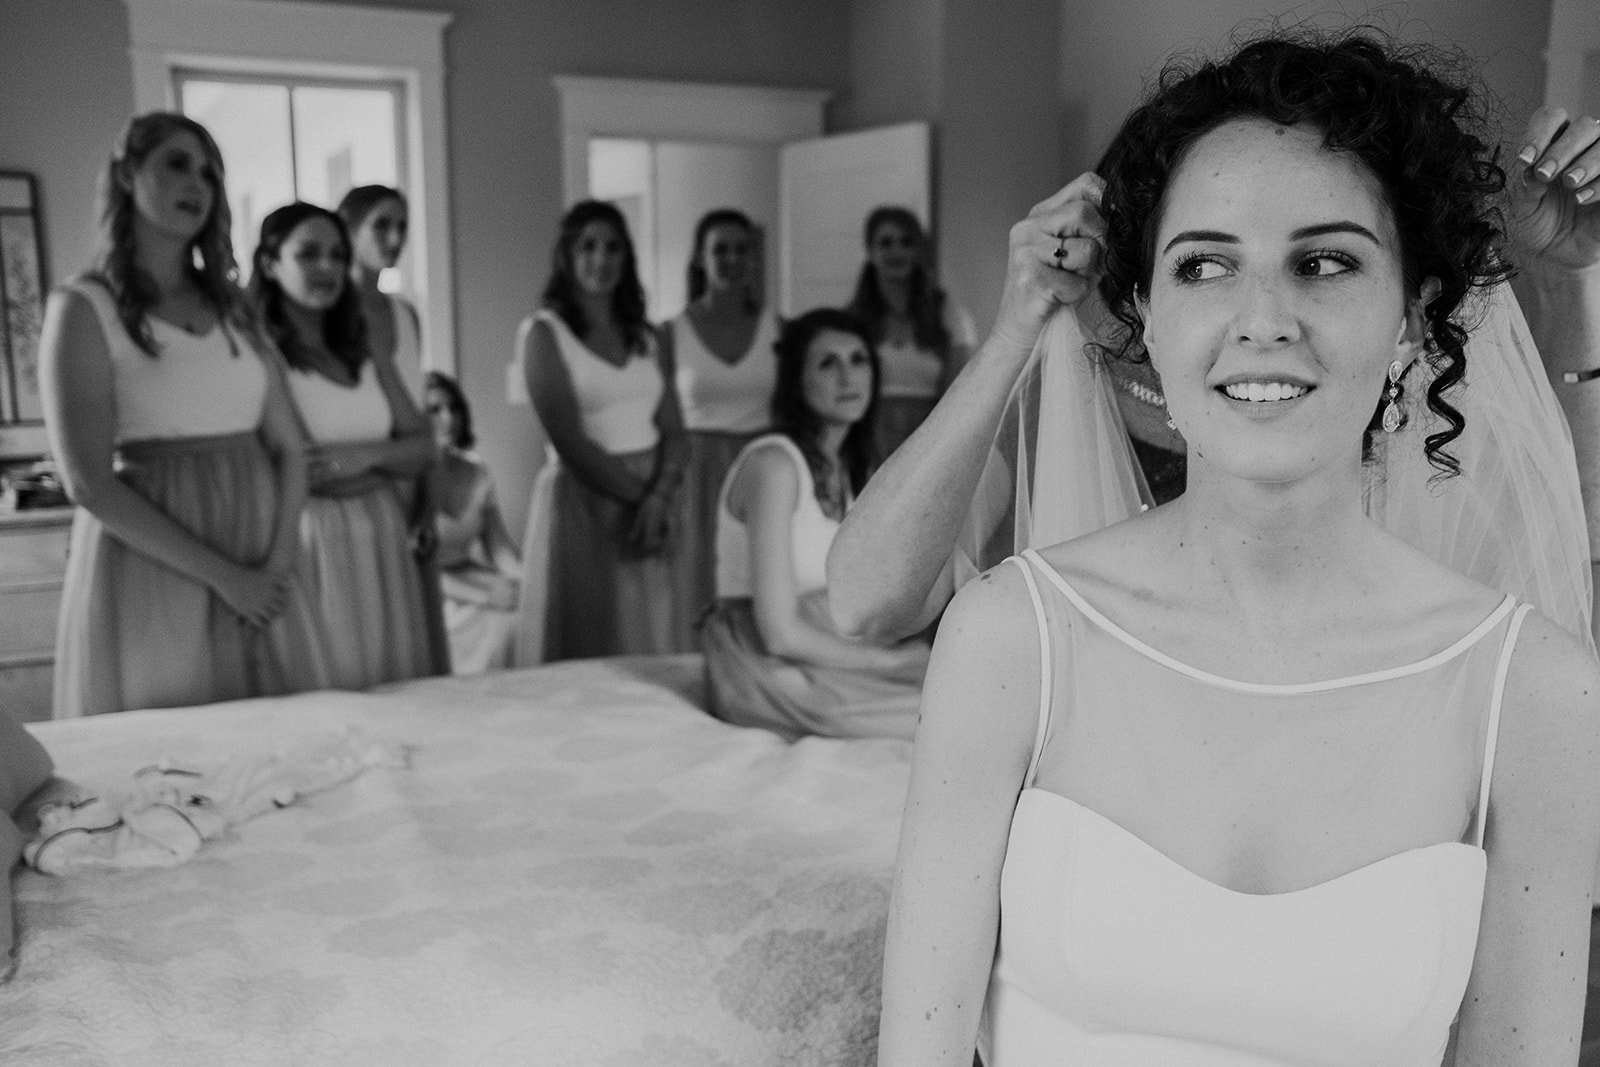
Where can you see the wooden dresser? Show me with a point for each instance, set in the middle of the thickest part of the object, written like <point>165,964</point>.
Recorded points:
<point>33,559</point>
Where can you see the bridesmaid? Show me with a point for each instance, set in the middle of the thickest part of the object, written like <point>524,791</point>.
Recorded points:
<point>378,219</point>
<point>923,339</point>
<point>773,657</point>
<point>369,444</point>
<point>478,561</point>
<point>167,411</point>
<point>718,352</point>
<point>597,384</point>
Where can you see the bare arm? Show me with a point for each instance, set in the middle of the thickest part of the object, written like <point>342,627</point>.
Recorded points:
<point>764,496</point>
<point>280,433</point>
<point>550,388</point>
<point>886,571</point>
<point>75,380</point>
<point>1525,1000</point>
<point>657,516</point>
<point>966,773</point>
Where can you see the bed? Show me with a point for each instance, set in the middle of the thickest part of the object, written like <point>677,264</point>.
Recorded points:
<point>578,867</point>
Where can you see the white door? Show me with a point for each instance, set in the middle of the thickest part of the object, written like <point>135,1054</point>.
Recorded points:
<point>827,186</point>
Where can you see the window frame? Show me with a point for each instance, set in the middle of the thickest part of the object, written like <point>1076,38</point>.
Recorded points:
<point>311,42</point>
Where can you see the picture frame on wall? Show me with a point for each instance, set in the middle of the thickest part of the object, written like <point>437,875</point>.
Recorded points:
<point>23,285</point>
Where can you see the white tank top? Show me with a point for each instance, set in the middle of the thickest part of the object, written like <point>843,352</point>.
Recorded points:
<point>194,387</point>
<point>910,371</point>
<point>335,414</point>
<point>729,398</point>
<point>812,531</point>
<point>616,405</point>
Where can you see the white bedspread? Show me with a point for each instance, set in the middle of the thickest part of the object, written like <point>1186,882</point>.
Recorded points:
<point>579,868</point>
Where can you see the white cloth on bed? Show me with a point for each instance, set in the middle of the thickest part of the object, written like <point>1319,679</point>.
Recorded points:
<point>163,816</point>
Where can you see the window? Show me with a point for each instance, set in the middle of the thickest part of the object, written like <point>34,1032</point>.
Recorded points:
<point>286,139</point>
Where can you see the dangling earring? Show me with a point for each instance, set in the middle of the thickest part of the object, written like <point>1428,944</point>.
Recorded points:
<point>1391,410</point>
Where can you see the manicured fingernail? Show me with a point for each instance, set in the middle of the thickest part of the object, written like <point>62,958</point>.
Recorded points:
<point>1546,171</point>
<point>1585,195</point>
<point>1528,154</point>
<point>1575,177</point>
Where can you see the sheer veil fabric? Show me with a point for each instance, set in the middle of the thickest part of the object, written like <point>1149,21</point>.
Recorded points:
<point>1061,466</point>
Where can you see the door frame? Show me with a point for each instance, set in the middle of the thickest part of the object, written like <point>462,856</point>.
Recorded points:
<point>676,111</point>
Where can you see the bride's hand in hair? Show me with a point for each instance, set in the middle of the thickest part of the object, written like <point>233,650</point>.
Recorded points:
<point>1054,259</point>
<point>1558,162</point>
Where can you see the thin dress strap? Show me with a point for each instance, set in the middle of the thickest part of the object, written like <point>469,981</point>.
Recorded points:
<point>1492,740</point>
<point>1045,679</point>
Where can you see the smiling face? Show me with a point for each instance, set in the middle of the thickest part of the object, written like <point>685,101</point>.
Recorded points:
<point>893,251</point>
<point>837,379</point>
<point>175,187</point>
<point>381,237</point>
<point>1276,301</point>
<point>725,256</point>
<point>311,263</point>
<point>598,256</point>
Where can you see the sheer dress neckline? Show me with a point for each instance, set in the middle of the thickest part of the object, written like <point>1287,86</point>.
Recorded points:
<point>1139,844</point>
<point>1450,652</point>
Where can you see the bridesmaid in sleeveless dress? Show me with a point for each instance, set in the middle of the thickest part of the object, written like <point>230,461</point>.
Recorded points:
<point>168,414</point>
<point>370,445</point>
<point>603,584</point>
<point>718,353</point>
<point>1255,779</point>
<point>923,338</point>
<point>378,220</point>
<point>772,656</point>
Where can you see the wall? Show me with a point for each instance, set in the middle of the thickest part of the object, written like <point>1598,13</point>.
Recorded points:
<point>896,63</point>
<point>1104,66</point>
<point>66,87</point>
<point>65,91</point>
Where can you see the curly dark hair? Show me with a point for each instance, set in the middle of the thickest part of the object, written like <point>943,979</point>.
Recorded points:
<point>344,327</point>
<point>462,437</point>
<point>793,417</point>
<point>927,299</point>
<point>1405,111</point>
<point>697,280</point>
<point>561,291</point>
<point>212,267</point>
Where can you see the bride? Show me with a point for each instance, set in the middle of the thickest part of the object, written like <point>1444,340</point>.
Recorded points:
<point>1229,798</point>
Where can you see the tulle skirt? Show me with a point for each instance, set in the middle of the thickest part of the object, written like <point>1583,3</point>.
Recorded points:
<point>134,633</point>
<point>897,417</point>
<point>694,549</point>
<point>748,686</point>
<point>586,590</point>
<point>369,590</point>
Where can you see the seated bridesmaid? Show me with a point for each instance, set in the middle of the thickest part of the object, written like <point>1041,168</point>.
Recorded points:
<point>479,567</point>
<point>166,409</point>
<point>773,658</point>
<point>370,443</point>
